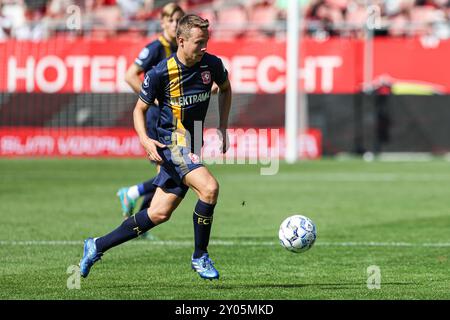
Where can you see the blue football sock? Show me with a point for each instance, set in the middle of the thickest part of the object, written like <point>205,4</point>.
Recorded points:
<point>129,229</point>
<point>147,201</point>
<point>147,187</point>
<point>203,217</point>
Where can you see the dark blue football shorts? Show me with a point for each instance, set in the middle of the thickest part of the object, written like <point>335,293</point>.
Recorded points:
<point>178,161</point>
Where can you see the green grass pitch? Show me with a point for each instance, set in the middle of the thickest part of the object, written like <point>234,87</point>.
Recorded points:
<point>392,215</point>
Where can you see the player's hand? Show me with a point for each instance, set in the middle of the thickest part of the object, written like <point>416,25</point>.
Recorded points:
<point>151,147</point>
<point>214,88</point>
<point>223,135</point>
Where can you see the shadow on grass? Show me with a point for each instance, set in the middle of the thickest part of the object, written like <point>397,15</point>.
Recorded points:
<point>325,286</point>
<point>225,285</point>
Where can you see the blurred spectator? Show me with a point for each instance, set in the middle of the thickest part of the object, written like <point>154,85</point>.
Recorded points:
<point>399,16</point>
<point>132,9</point>
<point>5,27</point>
<point>232,22</point>
<point>13,13</point>
<point>193,5</point>
<point>432,17</point>
<point>6,22</point>
<point>106,18</point>
<point>35,25</point>
<point>322,18</point>
<point>57,9</point>
<point>262,16</point>
<point>436,4</point>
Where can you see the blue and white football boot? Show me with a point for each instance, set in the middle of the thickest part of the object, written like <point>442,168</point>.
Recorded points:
<point>90,256</point>
<point>204,266</point>
<point>126,202</point>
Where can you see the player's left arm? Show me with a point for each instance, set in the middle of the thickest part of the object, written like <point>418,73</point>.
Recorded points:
<point>224,112</point>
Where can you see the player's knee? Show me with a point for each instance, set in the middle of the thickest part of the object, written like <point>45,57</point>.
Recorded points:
<point>158,217</point>
<point>211,191</point>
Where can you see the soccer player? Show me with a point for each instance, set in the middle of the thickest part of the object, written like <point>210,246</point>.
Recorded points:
<point>149,57</point>
<point>182,84</point>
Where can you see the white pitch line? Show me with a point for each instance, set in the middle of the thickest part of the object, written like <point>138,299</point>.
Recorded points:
<point>228,243</point>
<point>343,177</point>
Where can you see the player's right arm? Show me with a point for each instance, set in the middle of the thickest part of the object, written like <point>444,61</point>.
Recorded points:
<point>149,145</point>
<point>148,57</point>
<point>146,98</point>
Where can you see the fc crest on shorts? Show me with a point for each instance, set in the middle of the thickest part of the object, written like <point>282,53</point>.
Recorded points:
<point>206,77</point>
<point>194,158</point>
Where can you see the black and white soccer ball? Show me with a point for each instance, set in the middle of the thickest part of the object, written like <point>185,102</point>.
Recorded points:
<point>297,233</point>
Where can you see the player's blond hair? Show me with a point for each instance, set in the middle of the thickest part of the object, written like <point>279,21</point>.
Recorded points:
<point>188,22</point>
<point>169,10</point>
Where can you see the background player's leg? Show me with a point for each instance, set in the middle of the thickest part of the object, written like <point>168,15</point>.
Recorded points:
<point>146,201</point>
<point>129,195</point>
<point>207,189</point>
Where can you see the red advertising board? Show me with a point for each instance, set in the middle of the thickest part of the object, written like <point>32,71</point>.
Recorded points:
<point>96,142</point>
<point>330,66</point>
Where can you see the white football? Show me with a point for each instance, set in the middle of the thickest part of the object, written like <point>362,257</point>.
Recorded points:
<point>297,233</point>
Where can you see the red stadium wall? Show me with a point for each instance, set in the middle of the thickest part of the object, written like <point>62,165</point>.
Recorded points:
<point>332,66</point>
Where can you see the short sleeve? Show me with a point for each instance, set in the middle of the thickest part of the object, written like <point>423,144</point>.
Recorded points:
<point>149,87</point>
<point>148,57</point>
<point>220,72</point>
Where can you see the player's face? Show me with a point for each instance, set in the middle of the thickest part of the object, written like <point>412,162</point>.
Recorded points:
<point>169,24</point>
<point>195,46</point>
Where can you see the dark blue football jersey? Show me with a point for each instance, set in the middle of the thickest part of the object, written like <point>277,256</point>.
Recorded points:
<point>183,94</point>
<point>154,52</point>
<point>149,57</point>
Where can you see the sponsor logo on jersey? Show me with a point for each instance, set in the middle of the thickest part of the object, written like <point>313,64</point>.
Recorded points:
<point>189,100</point>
